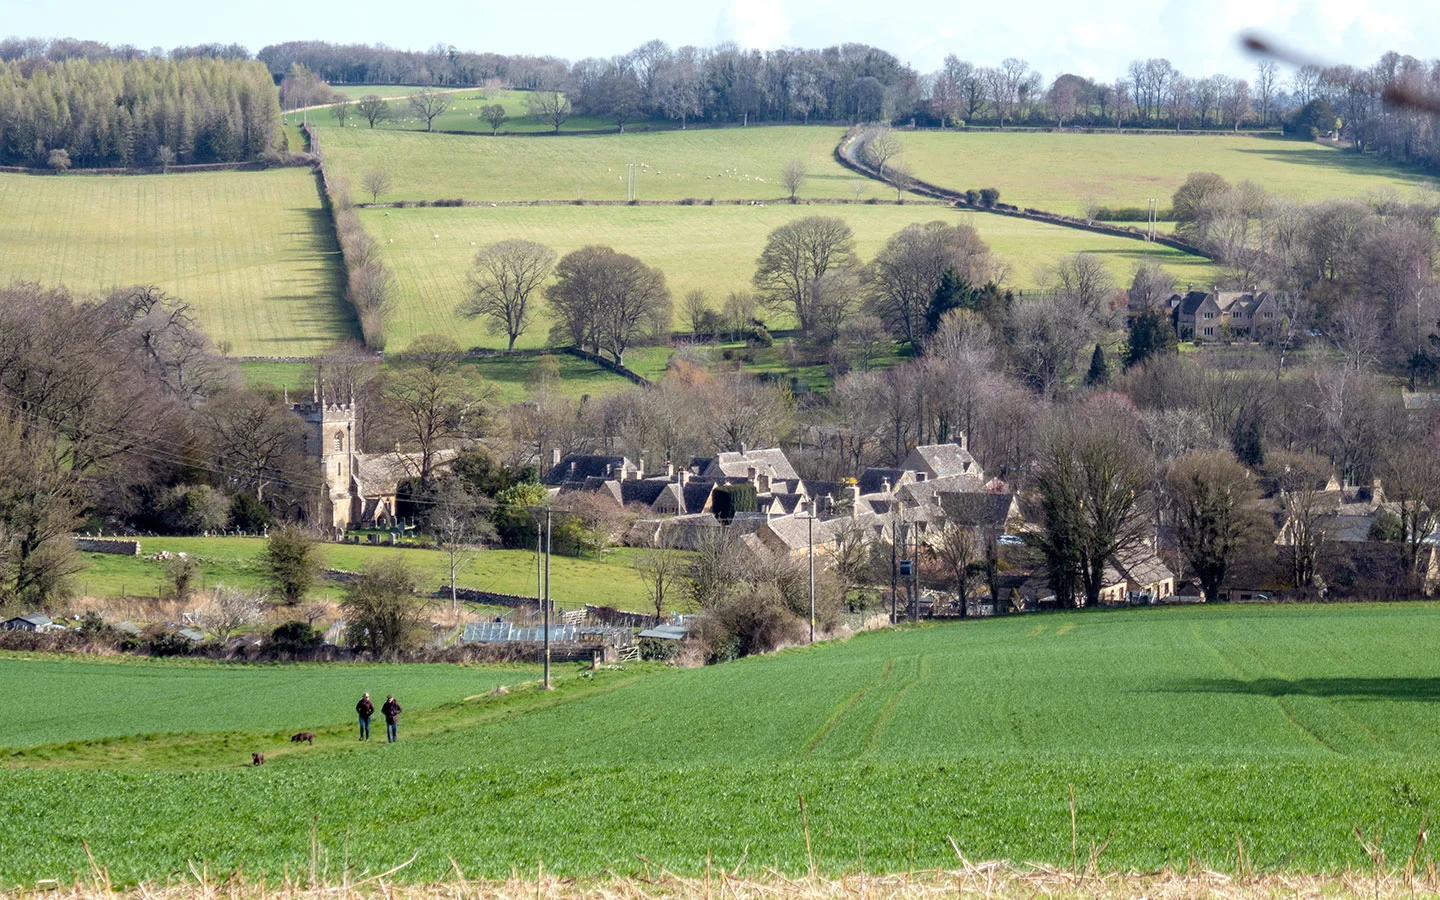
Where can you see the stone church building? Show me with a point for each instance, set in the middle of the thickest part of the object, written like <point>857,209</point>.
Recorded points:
<point>359,488</point>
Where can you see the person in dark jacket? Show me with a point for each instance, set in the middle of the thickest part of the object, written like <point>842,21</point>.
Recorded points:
<point>391,711</point>
<point>366,709</point>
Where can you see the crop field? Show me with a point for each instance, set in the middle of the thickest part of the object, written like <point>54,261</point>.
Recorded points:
<point>699,247</point>
<point>1185,736</point>
<point>121,697</point>
<point>506,374</point>
<point>464,113</point>
<point>724,164</point>
<point>250,251</point>
<point>1060,172</point>
<point>235,562</point>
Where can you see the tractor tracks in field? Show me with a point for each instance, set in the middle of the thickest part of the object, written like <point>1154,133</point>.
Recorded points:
<point>857,722</point>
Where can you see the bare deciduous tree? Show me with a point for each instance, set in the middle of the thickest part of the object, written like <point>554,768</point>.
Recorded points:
<point>1093,481</point>
<point>375,183</point>
<point>908,270</point>
<point>551,107</point>
<point>878,146</point>
<point>433,401</point>
<point>664,573</point>
<point>793,177</point>
<point>796,256</point>
<point>230,610</point>
<point>429,104</point>
<point>504,278</point>
<point>456,520</point>
<point>374,109</point>
<point>607,301</point>
<point>340,109</point>
<point>1211,496</point>
<point>495,115</point>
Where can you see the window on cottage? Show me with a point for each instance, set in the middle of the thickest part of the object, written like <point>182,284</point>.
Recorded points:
<point>1210,315</point>
<point>1209,331</point>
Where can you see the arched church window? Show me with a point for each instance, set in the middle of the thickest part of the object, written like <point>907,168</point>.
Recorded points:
<point>340,441</point>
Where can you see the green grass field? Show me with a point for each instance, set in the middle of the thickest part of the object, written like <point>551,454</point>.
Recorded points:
<point>234,561</point>
<point>724,164</point>
<point>250,251</point>
<point>91,699</point>
<point>507,374</point>
<point>1185,734</point>
<point>1058,172</point>
<point>697,247</point>
<point>464,113</point>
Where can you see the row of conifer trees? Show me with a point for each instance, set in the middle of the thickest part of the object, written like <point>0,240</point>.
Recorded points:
<point>145,112</point>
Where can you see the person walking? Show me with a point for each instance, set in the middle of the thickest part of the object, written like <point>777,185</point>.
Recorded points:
<point>366,709</point>
<point>392,712</point>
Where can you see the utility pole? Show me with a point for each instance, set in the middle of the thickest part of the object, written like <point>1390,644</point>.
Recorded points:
<point>894,566</point>
<point>811,521</point>
<point>547,598</point>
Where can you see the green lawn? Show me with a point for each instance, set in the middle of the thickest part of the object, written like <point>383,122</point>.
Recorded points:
<point>234,561</point>
<point>250,251</point>
<point>1184,734</point>
<point>86,700</point>
<point>507,374</point>
<point>724,164</point>
<point>1059,172</point>
<point>464,113</point>
<point>699,247</point>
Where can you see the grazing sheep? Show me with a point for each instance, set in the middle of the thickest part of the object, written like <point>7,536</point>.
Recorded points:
<point>257,759</point>
<point>306,736</point>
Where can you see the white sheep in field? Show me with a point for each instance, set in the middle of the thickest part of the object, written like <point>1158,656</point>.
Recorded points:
<point>435,236</point>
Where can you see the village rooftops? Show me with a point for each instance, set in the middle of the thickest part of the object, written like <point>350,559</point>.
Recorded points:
<point>932,461</point>
<point>770,462</point>
<point>578,467</point>
<point>978,510</point>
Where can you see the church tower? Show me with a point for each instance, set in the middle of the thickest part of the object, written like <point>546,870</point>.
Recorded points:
<point>330,441</point>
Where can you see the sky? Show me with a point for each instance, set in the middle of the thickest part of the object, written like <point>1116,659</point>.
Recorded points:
<point>1093,38</point>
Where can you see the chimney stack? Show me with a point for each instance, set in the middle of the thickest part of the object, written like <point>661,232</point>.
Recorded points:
<point>554,457</point>
<point>640,468</point>
<point>669,470</point>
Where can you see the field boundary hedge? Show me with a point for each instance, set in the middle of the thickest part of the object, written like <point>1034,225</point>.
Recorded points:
<point>845,156</point>
<point>369,283</point>
<point>287,161</point>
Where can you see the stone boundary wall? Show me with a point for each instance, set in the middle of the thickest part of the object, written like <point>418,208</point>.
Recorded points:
<point>117,547</point>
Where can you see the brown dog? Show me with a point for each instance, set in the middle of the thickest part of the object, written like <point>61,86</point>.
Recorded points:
<point>257,759</point>
<point>306,736</point>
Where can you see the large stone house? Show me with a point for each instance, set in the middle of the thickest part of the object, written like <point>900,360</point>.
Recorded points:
<point>1224,315</point>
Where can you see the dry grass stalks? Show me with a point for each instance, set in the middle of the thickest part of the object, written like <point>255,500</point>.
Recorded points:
<point>987,880</point>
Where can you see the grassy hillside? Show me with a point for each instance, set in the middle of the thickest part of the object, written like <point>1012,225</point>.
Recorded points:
<point>464,113</point>
<point>1058,172</point>
<point>507,374</point>
<point>726,164</point>
<point>709,248</point>
<point>250,251</point>
<point>119,697</point>
<point>1183,733</point>
<point>235,561</point>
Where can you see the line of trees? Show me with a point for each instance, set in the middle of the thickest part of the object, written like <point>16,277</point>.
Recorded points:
<point>148,112</point>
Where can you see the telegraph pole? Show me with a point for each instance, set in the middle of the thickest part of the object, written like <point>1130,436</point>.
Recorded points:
<point>547,598</point>
<point>811,520</point>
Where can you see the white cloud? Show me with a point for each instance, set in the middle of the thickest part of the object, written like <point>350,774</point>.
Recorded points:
<point>758,24</point>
